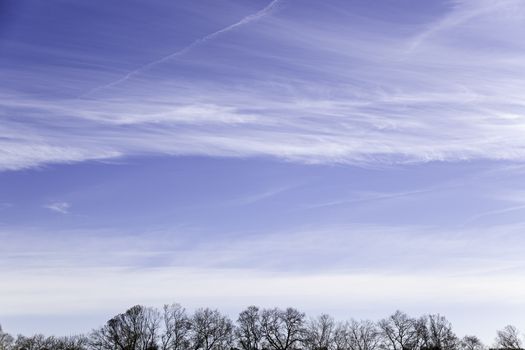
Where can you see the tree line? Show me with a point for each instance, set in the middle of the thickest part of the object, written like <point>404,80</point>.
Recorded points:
<point>173,328</point>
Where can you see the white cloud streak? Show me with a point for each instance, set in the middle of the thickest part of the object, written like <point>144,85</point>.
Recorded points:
<point>345,248</point>
<point>58,207</point>
<point>246,20</point>
<point>326,99</point>
<point>465,10</point>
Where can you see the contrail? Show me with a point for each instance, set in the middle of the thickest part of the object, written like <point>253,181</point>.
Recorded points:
<point>245,20</point>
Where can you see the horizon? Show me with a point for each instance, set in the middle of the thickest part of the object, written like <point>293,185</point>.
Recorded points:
<point>347,157</point>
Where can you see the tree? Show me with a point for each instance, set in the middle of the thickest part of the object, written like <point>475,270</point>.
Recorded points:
<point>177,326</point>
<point>399,332</point>
<point>341,337</point>
<point>282,329</point>
<point>436,333</point>
<point>319,333</point>
<point>77,342</point>
<point>144,328</point>
<point>136,329</point>
<point>6,340</point>
<point>248,331</point>
<point>35,342</point>
<point>211,330</point>
<point>363,335</point>
<point>471,342</point>
<point>508,338</point>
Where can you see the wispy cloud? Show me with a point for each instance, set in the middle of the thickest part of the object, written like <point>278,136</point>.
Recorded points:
<point>330,92</point>
<point>246,20</point>
<point>58,207</point>
<point>258,197</point>
<point>304,250</point>
<point>508,202</point>
<point>462,11</point>
<point>363,197</point>
<point>340,268</point>
<point>428,281</point>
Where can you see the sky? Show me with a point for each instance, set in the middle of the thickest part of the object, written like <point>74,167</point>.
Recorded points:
<point>351,157</point>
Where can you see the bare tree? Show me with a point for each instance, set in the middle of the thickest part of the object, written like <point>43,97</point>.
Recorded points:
<point>35,342</point>
<point>282,329</point>
<point>471,342</point>
<point>399,332</point>
<point>341,337</point>
<point>248,331</point>
<point>211,330</point>
<point>177,326</point>
<point>319,333</point>
<point>436,333</point>
<point>356,335</point>
<point>508,338</point>
<point>363,335</point>
<point>136,329</point>
<point>144,328</point>
<point>6,340</point>
<point>76,342</point>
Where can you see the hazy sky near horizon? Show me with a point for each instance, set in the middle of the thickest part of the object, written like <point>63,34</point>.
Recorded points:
<point>351,157</point>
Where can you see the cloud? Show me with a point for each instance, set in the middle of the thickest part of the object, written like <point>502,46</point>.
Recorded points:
<point>261,196</point>
<point>339,268</point>
<point>305,90</point>
<point>463,11</point>
<point>59,207</point>
<point>303,250</point>
<point>495,212</point>
<point>363,197</point>
<point>76,293</point>
<point>246,20</point>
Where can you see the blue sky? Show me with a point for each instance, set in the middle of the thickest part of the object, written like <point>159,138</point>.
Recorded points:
<point>352,157</point>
